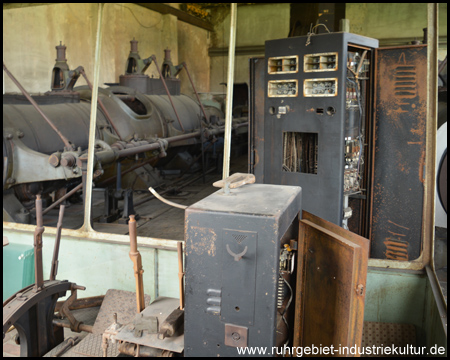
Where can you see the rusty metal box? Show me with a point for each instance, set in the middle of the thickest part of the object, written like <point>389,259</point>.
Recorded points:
<point>233,245</point>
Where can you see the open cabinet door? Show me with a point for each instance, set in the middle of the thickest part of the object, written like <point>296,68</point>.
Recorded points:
<point>399,149</point>
<point>331,285</point>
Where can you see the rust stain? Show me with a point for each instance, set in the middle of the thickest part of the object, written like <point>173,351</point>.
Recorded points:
<point>421,167</point>
<point>398,225</point>
<point>415,142</point>
<point>393,233</point>
<point>396,249</point>
<point>310,110</point>
<point>256,159</point>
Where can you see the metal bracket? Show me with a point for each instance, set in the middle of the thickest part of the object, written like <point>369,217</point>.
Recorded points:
<point>236,336</point>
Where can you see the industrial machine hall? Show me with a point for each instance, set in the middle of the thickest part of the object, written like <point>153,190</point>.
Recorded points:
<point>223,179</point>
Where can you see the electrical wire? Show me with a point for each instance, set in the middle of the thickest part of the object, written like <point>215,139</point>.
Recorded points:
<point>311,32</point>
<point>137,20</point>
<point>358,97</point>
<point>286,308</point>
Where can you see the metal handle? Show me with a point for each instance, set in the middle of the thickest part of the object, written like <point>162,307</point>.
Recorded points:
<point>239,256</point>
<point>234,181</point>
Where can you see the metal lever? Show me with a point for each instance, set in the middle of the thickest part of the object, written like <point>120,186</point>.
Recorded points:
<point>54,269</point>
<point>234,181</point>
<point>239,256</point>
<point>135,257</point>
<point>38,272</point>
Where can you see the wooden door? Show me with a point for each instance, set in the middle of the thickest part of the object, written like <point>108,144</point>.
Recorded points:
<point>331,285</point>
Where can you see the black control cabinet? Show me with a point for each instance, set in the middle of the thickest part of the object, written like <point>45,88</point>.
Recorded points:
<point>234,256</point>
<point>316,104</point>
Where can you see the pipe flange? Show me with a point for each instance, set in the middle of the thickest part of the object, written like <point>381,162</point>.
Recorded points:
<point>163,145</point>
<point>119,145</point>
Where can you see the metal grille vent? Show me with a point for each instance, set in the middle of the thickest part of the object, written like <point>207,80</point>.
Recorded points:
<point>405,81</point>
<point>239,238</point>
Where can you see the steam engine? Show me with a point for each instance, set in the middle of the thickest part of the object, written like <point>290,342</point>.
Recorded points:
<point>141,122</point>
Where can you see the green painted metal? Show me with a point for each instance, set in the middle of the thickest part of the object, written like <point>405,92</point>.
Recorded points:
<point>101,265</point>
<point>432,323</point>
<point>18,268</point>
<point>404,297</point>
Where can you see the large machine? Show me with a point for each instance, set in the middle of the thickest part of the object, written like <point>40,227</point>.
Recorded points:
<point>142,122</point>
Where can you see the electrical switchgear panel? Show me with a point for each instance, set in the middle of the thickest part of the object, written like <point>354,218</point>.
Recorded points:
<point>316,111</point>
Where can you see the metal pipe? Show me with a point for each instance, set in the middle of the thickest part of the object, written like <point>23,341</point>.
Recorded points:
<point>101,104</point>
<point>54,268</point>
<point>156,145</point>
<point>196,93</point>
<point>119,176</point>
<point>135,257</point>
<point>69,343</point>
<point>167,91</point>
<point>38,272</point>
<point>229,108</point>
<point>66,142</point>
<point>92,125</point>
<point>168,202</point>
<point>169,140</point>
<point>151,197</point>
<point>81,327</point>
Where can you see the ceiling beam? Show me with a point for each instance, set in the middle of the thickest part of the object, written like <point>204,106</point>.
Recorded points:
<point>161,8</point>
<point>181,15</point>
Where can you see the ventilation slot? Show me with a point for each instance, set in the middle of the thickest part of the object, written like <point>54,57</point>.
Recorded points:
<point>405,81</point>
<point>239,238</point>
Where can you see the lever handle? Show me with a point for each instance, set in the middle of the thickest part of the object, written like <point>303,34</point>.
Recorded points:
<point>234,181</point>
<point>239,256</point>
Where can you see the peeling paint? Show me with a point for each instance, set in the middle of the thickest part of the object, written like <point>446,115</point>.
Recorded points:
<point>204,241</point>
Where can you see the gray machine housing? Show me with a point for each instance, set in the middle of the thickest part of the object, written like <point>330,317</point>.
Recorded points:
<point>233,303</point>
<point>299,112</point>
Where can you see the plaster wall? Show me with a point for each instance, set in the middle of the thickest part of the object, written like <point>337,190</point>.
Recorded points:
<point>193,44</point>
<point>30,35</point>
<point>392,22</point>
<point>255,25</point>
